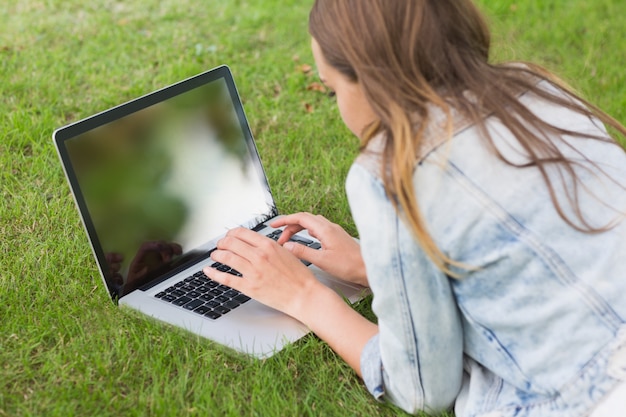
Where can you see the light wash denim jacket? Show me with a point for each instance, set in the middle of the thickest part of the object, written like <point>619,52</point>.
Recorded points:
<point>537,330</point>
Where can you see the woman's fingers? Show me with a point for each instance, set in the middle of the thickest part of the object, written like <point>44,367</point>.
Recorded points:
<point>227,279</point>
<point>269,273</point>
<point>235,251</point>
<point>304,252</point>
<point>314,224</point>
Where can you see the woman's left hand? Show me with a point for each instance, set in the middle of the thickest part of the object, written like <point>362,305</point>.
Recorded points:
<point>270,273</point>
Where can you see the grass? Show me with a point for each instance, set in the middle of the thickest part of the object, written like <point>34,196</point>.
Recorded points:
<point>64,348</point>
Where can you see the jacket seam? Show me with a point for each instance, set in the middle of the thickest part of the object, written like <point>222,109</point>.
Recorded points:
<point>408,319</point>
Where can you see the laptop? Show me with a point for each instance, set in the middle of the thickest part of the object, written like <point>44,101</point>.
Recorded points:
<point>157,182</point>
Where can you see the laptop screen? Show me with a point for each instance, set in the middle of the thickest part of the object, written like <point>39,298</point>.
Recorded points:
<point>158,179</point>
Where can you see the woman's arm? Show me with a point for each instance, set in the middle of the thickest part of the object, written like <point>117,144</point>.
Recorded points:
<point>273,276</point>
<point>416,361</point>
<point>335,322</point>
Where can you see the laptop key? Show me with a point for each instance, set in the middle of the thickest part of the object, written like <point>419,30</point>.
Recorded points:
<point>206,297</point>
<point>212,314</point>
<point>301,240</point>
<point>202,309</point>
<point>231,293</point>
<point>181,301</point>
<point>216,292</point>
<point>275,234</point>
<point>221,309</point>
<point>168,298</point>
<point>196,283</point>
<point>161,294</point>
<point>241,298</point>
<point>222,298</point>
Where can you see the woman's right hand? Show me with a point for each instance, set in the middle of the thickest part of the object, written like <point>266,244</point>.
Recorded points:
<point>340,254</point>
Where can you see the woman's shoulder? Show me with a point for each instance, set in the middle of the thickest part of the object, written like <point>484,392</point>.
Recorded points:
<point>443,125</point>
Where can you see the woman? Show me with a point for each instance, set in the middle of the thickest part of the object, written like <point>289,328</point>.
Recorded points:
<point>491,221</point>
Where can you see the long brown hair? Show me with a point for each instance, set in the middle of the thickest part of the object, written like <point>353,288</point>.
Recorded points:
<point>409,55</point>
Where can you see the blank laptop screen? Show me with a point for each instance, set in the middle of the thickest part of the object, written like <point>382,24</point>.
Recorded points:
<point>160,183</point>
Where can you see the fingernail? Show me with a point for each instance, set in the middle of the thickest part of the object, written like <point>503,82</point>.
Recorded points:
<point>288,245</point>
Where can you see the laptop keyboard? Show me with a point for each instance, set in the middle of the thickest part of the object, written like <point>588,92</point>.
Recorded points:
<point>206,297</point>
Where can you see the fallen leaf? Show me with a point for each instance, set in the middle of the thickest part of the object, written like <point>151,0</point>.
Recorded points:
<point>277,90</point>
<point>308,108</point>
<point>305,69</point>
<point>315,86</point>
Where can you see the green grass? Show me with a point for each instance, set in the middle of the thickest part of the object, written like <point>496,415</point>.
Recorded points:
<point>64,348</point>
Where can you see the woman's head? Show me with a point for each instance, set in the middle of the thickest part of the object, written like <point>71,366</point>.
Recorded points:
<point>354,108</point>
<point>399,50</point>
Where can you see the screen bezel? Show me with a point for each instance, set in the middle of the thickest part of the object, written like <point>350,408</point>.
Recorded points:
<point>65,133</point>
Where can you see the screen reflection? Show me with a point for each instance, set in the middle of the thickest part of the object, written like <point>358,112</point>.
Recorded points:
<point>160,183</point>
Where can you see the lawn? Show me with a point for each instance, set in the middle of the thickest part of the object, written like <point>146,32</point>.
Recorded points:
<point>65,349</point>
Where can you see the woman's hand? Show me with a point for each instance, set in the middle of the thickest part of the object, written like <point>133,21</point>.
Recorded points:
<point>273,276</point>
<point>270,273</point>
<point>340,254</point>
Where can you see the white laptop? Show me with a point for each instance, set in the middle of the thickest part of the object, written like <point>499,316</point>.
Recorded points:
<point>158,181</point>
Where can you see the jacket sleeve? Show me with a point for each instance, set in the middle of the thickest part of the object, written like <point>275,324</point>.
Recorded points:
<point>416,359</point>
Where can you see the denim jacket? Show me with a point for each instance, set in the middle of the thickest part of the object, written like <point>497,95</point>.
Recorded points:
<point>537,327</point>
